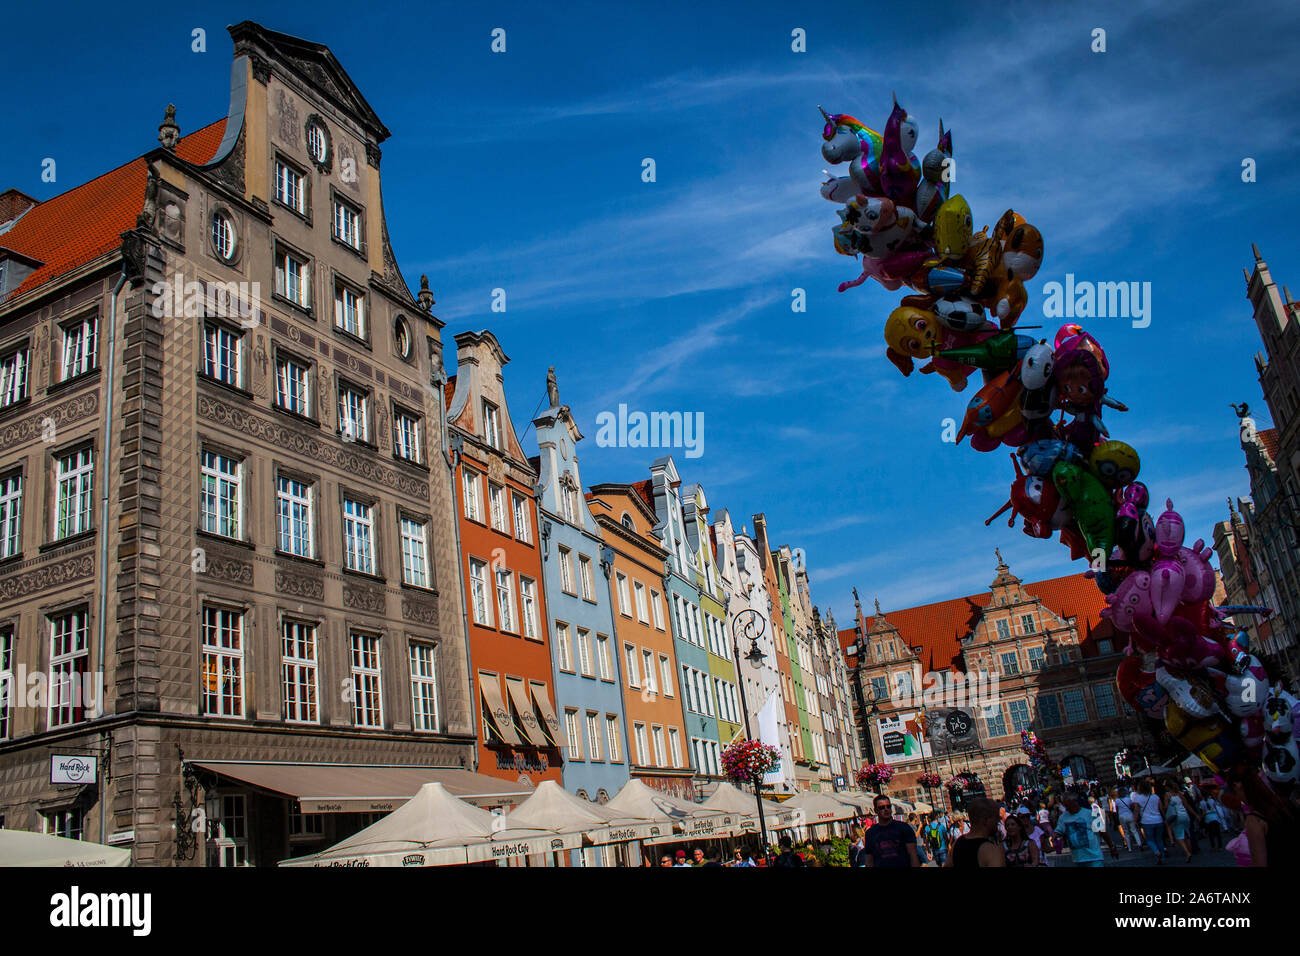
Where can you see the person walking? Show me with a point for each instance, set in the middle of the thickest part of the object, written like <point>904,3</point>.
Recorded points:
<point>1075,826</point>
<point>980,846</point>
<point>787,856</point>
<point>937,834</point>
<point>1101,825</point>
<point>1212,817</point>
<point>1272,828</point>
<point>890,843</point>
<point>858,835</point>
<point>1018,849</point>
<point>1150,816</point>
<point>1177,818</point>
<point>1122,816</point>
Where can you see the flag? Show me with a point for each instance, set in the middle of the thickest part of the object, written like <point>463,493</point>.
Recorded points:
<point>769,732</point>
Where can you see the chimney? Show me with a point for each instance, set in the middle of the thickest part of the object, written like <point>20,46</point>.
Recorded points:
<point>13,204</point>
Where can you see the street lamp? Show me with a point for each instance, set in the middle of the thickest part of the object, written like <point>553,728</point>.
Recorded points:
<point>751,622</point>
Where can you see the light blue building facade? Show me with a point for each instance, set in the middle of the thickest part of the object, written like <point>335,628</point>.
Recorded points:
<point>585,661</point>
<point>689,640</point>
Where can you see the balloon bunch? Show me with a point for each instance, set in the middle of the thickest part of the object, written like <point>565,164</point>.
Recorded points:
<point>1188,667</point>
<point>1049,772</point>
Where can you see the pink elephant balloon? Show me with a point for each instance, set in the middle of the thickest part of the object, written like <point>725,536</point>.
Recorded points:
<point>1132,597</point>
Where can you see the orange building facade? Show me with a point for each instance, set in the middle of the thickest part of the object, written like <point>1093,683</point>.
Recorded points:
<point>659,752</point>
<point>519,734</point>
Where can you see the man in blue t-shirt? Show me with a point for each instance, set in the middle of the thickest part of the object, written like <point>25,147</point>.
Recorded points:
<point>1075,826</point>
<point>890,843</point>
<point>937,831</point>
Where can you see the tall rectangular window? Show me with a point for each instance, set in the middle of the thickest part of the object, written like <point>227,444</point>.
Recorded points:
<point>675,746</point>
<point>219,494</point>
<point>13,377</point>
<point>993,719</point>
<point>638,734</point>
<point>223,662</point>
<point>290,188</point>
<point>523,532</point>
<point>593,735</point>
<point>8,692</point>
<point>69,667</point>
<point>293,514</point>
<point>424,686</point>
<point>1019,715</point>
<point>478,592</point>
<point>349,310</point>
<point>613,741</point>
<point>1027,623</point>
<point>563,649</point>
<point>367,704</point>
<point>666,672</point>
<point>347,224</point>
<point>584,652</point>
<point>1076,711</point>
<point>11,514</point>
<point>585,578</point>
<point>528,606</point>
<point>75,493</point>
<point>80,345</point>
<point>603,659</point>
<point>415,553</point>
<point>406,436</point>
<point>358,536</point>
<point>292,278</point>
<point>293,385</point>
<point>633,667</point>
<point>473,499</point>
<point>1102,695</point>
<point>1036,658</point>
<point>1049,710</point>
<point>497,507</point>
<point>573,734</point>
<point>656,605</point>
<point>298,663</point>
<point>1004,630</point>
<point>221,354</point>
<point>624,598</point>
<point>642,613</point>
<point>1010,663</point>
<point>354,413</point>
<point>566,571</point>
<point>648,672</point>
<point>505,582</point>
<point>491,424</point>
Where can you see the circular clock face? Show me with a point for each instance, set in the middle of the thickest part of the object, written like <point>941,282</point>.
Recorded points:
<point>958,723</point>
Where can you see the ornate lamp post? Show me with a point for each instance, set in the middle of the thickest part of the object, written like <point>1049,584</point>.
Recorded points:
<point>751,623</point>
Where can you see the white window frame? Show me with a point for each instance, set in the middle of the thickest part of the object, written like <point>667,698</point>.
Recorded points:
<point>358,536</point>
<point>75,485</point>
<point>657,740</point>
<point>406,436</point>
<point>80,346</point>
<point>528,606</point>
<point>366,668</point>
<point>573,733</point>
<point>565,558</point>
<point>641,741</point>
<point>523,530</point>
<point>624,597</point>
<point>604,662</point>
<point>666,674</point>
<point>675,746</point>
<point>221,660</point>
<point>69,667</point>
<point>633,665</point>
<point>491,424</point>
<point>504,581</point>
<point>593,735</point>
<point>585,578</point>
<point>11,517</point>
<point>423,659</point>
<point>350,310</point>
<point>347,224</point>
<point>563,647</point>
<point>293,391</point>
<point>648,671</point>
<point>642,612</point>
<point>497,507</point>
<point>290,187</point>
<point>223,354</point>
<point>613,738</point>
<point>481,607</point>
<point>292,277</point>
<point>415,551</point>
<point>471,493</point>
<point>354,413</point>
<point>299,672</point>
<point>584,652</point>
<point>294,513</point>
<point>221,494</point>
<point>656,606</point>
<point>14,368</point>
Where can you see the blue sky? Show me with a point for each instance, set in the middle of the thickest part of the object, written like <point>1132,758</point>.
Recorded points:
<point>522,171</point>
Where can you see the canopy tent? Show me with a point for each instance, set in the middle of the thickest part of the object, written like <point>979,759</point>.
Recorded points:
<point>861,800</point>
<point>923,807</point>
<point>695,820</point>
<point>639,802</point>
<point>1190,762</point>
<point>560,815</point>
<point>433,828</point>
<point>732,799</point>
<point>22,848</point>
<point>819,808</point>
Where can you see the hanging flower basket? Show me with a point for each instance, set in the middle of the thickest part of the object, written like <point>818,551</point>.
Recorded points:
<point>875,773</point>
<point>929,780</point>
<point>747,760</point>
<point>957,783</point>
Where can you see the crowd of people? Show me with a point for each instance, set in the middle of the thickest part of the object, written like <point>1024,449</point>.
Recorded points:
<point>1156,817</point>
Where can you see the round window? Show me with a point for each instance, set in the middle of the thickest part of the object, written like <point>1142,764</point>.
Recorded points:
<point>223,236</point>
<point>402,337</point>
<point>316,145</point>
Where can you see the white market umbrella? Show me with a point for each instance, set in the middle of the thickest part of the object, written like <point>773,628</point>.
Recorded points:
<point>820,808</point>
<point>560,815</point>
<point>431,829</point>
<point>731,799</point>
<point>22,848</point>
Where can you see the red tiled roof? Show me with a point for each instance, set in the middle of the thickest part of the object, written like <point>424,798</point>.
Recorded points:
<point>937,628</point>
<point>1269,436</point>
<point>449,389</point>
<point>86,222</point>
<point>642,488</point>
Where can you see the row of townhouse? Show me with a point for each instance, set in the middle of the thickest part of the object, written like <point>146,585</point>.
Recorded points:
<point>266,568</point>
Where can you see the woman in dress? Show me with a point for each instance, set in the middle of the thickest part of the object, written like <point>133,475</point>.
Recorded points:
<point>1019,849</point>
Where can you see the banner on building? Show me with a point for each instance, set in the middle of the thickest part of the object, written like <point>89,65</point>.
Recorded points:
<point>901,739</point>
<point>769,732</point>
<point>952,730</point>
